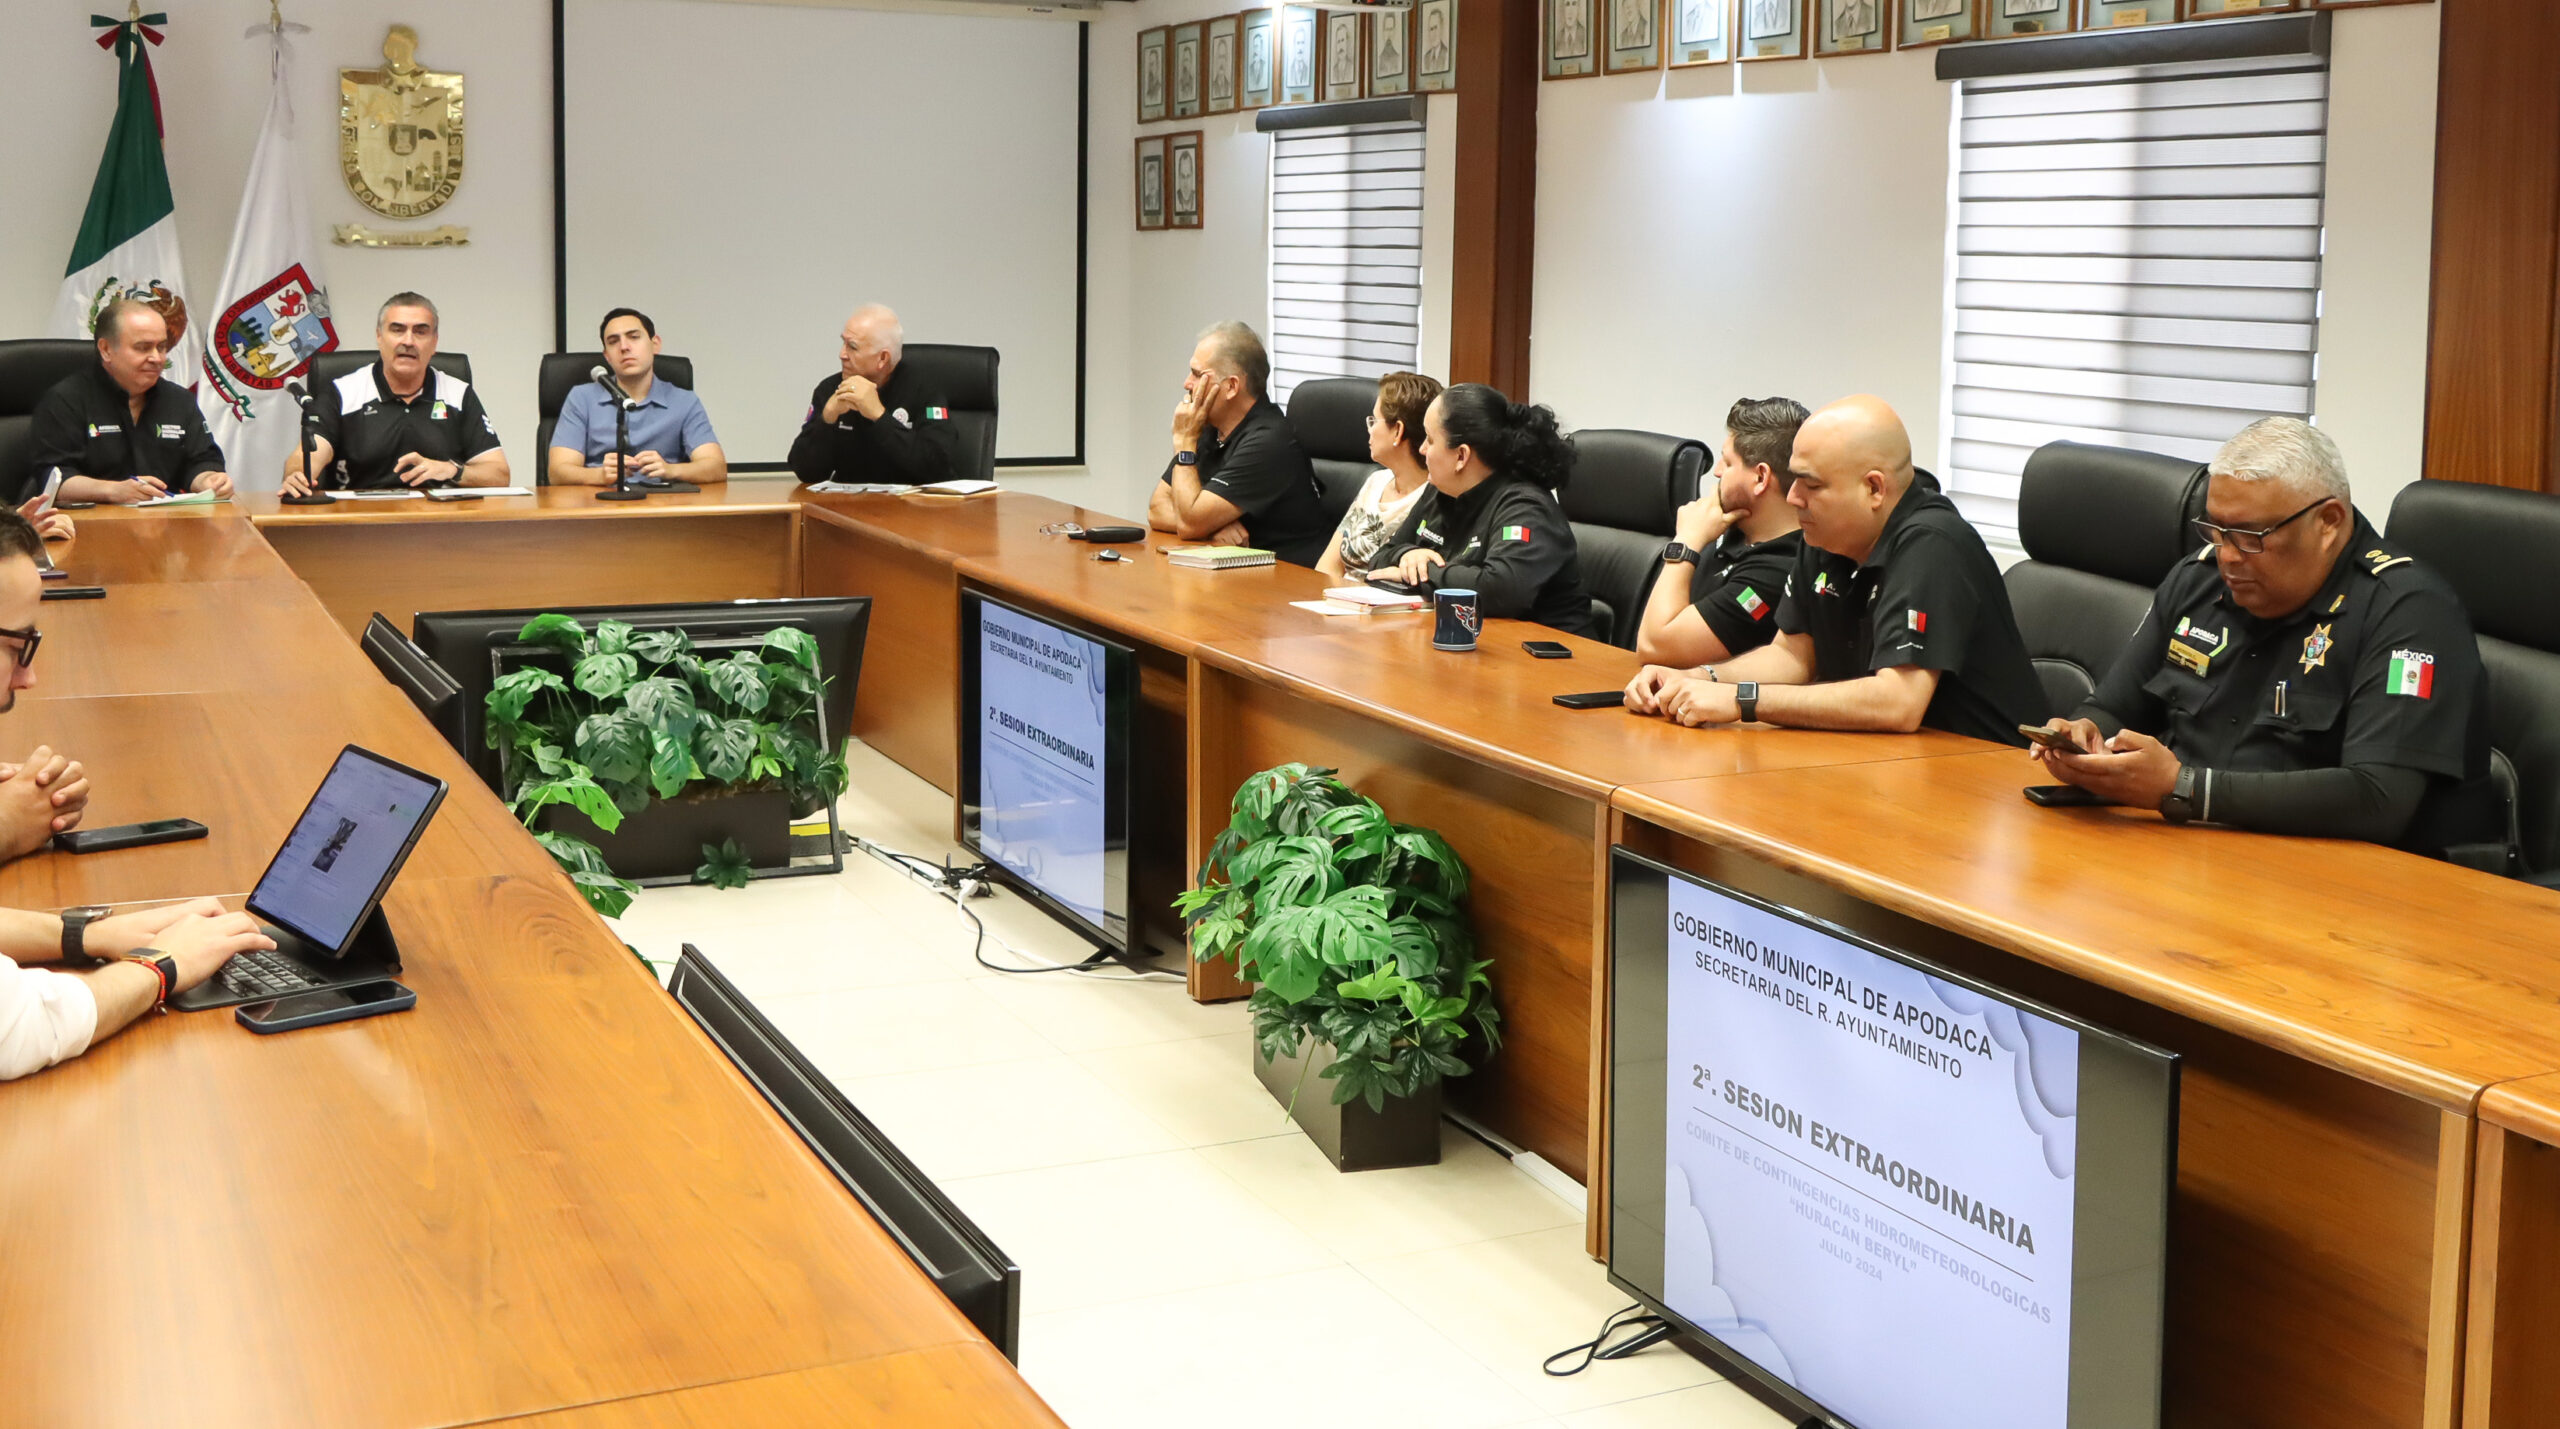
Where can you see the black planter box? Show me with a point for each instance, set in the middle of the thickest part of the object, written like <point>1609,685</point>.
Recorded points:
<point>665,839</point>
<point>1351,1136</point>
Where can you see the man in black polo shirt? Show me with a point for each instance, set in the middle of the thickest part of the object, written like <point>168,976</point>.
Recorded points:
<point>1894,617</point>
<point>1731,550</point>
<point>401,422</point>
<point>2301,675</point>
<point>1238,477</point>
<point>876,422</point>
<point>119,431</point>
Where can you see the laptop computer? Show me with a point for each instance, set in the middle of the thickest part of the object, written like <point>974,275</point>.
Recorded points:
<point>321,897</point>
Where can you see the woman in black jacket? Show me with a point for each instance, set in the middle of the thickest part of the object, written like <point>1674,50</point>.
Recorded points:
<point>1490,522</point>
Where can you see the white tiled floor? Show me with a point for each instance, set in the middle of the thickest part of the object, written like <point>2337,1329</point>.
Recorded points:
<point>1188,1257</point>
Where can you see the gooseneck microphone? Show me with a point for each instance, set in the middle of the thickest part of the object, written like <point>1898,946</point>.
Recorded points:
<point>623,490</point>
<point>301,396</point>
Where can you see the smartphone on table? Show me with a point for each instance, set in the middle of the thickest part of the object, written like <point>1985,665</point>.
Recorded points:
<point>316,1009</point>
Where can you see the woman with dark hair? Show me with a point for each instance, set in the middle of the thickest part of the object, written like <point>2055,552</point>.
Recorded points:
<point>1389,495</point>
<point>1490,522</point>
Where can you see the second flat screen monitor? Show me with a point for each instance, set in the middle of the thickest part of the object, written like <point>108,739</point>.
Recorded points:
<point>1045,763</point>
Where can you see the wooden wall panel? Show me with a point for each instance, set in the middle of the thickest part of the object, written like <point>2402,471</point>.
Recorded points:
<point>2512,1377</point>
<point>1497,192</point>
<point>907,705</point>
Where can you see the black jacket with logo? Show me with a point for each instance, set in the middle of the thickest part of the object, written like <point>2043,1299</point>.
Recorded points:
<point>909,445</point>
<point>1507,541</point>
<point>85,425</point>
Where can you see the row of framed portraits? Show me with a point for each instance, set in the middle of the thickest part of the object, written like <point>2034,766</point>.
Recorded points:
<point>1588,37</point>
<point>1169,181</point>
<point>1295,54</point>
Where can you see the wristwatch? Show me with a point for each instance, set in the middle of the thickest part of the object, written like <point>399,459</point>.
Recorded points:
<point>1677,554</point>
<point>1746,700</point>
<point>1186,458</point>
<point>75,922</point>
<point>165,966</point>
<point>2186,800</point>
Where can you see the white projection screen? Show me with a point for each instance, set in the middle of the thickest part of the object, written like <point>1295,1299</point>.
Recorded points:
<point>747,174</point>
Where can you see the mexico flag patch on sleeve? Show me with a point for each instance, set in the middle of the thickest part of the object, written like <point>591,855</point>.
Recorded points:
<point>2412,673</point>
<point>1751,603</point>
<point>937,414</point>
<point>1919,622</point>
<point>1513,533</point>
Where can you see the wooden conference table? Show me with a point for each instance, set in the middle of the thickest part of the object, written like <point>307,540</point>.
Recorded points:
<point>2368,1214</point>
<point>543,1196</point>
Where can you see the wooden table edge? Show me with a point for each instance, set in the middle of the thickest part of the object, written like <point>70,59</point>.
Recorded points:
<point>966,1344</point>
<point>2527,1106</point>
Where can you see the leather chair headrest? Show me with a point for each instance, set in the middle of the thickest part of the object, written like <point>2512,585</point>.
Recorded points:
<point>2499,547</point>
<point>1331,417</point>
<point>562,371</point>
<point>330,366</point>
<point>2109,511</point>
<point>31,367</point>
<point>965,376</point>
<point>1632,480</point>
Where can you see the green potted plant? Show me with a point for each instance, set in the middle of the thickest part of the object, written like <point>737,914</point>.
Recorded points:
<point>1354,926</point>
<point>681,762</point>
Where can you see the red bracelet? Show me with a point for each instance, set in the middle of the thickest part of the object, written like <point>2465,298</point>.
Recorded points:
<point>158,975</point>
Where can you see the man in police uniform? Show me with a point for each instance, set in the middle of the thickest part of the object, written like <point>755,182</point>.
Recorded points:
<point>1739,537</point>
<point>876,422</point>
<point>1894,616</point>
<point>2301,675</point>
<point>401,423</point>
<point>664,418</point>
<point>120,432</point>
<point>1238,476</point>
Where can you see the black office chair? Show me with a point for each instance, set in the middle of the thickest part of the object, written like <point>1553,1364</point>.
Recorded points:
<point>2102,527</point>
<point>562,371</point>
<point>330,366</point>
<point>1626,487</point>
<point>2500,549</point>
<point>29,368</point>
<point>966,377</point>
<point>1331,418</point>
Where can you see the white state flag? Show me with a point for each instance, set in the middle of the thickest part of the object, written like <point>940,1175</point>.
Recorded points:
<point>275,313</point>
<point>128,241</point>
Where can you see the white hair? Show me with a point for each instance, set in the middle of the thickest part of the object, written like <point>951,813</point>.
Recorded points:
<point>884,325</point>
<point>2289,451</point>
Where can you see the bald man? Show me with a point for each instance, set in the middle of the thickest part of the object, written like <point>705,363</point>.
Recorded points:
<point>875,422</point>
<point>1894,617</point>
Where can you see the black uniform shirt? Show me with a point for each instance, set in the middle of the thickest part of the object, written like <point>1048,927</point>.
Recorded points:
<point>1260,469</point>
<point>1929,595</point>
<point>86,426</point>
<point>1738,586</point>
<point>1508,542</point>
<point>911,443</point>
<point>2379,668</point>
<point>370,430</point>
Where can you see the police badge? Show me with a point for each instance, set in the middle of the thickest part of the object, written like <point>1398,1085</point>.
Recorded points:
<point>400,131</point>
<point>2315,648</point>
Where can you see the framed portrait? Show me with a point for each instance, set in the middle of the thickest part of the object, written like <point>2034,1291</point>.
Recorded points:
<point>1701,32</point>
<point>1919,24</point>
<point>1635,36</point>
<point>1186,71</point>
<point>1151,75</point>
<point>1851,27</point>
<point>1391,52</point>
<point>1435,44</point>
<point>1256,68</point>
<point>1774,29</point>
<point>2003,18</point>
<point>1218,67</point>
<point>2216,9</point>
<point>1346,54</point>
<point>1182,163</point>
<point>1299,42</point>
<point>1151,177</point>
<point>2126,14</point>
<point>1570,50</point>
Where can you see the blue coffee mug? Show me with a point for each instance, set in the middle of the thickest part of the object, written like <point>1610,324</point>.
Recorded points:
<point>1456,620</point>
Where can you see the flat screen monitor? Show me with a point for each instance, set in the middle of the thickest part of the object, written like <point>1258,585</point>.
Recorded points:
<point>1045,763</point>
<point>1892,1196</point>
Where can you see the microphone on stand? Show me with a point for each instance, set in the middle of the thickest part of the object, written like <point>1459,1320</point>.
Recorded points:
<point>301,396</point>
<point>623,490</point>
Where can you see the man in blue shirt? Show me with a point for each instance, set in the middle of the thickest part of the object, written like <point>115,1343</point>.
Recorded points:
<point>671,437</point>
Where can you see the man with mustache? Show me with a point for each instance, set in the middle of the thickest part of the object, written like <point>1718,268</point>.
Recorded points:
<point>121,432</point>
<point>400,423</point>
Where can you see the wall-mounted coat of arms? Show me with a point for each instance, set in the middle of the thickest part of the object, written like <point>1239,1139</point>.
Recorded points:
<point>400,131</point>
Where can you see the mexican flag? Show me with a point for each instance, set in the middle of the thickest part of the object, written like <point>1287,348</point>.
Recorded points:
<point>128,243</point>
<point>2412,674</point>
<point>1515,533</point>
<point>1751,603</point>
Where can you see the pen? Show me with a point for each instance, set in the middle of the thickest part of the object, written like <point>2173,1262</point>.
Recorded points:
<point>2280,699</point>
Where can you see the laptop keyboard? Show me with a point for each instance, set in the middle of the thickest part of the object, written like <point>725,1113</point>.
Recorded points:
<point>264,974</point>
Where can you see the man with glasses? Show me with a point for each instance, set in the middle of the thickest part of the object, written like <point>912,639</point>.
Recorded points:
<point>2301,675</point>
<point>121,966</point>
<point>1238,476</point>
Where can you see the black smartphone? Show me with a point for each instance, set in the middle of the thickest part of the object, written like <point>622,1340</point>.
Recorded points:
<point>1548,649</point>
<point>2044,738</point>
<point>157,831</point>
<point>1110,535</point>
<point>2060,796</point>
<point>76,592</point>
<point>316,1009</point>
<point>1595,700</point>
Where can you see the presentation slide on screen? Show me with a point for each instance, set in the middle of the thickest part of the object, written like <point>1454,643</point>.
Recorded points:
<point>1040,756</point>
<point>1870,1174</point>
<point>335,858</point>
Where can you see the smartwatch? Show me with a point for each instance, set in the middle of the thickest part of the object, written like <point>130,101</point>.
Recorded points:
<point>1186,458</point>
<point>75,922</point>
<point>1677,554</point>
<point>1746,700</point>
<point>2185,800</point>
<point>165,966</point>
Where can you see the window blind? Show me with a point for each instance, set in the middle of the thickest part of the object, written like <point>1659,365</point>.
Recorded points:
<point>2136,263</point>
<point>1346,252</point>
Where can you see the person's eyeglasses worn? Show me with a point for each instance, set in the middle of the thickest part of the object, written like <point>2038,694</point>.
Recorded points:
<point>27,641</point>
<point>2246,541</point>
